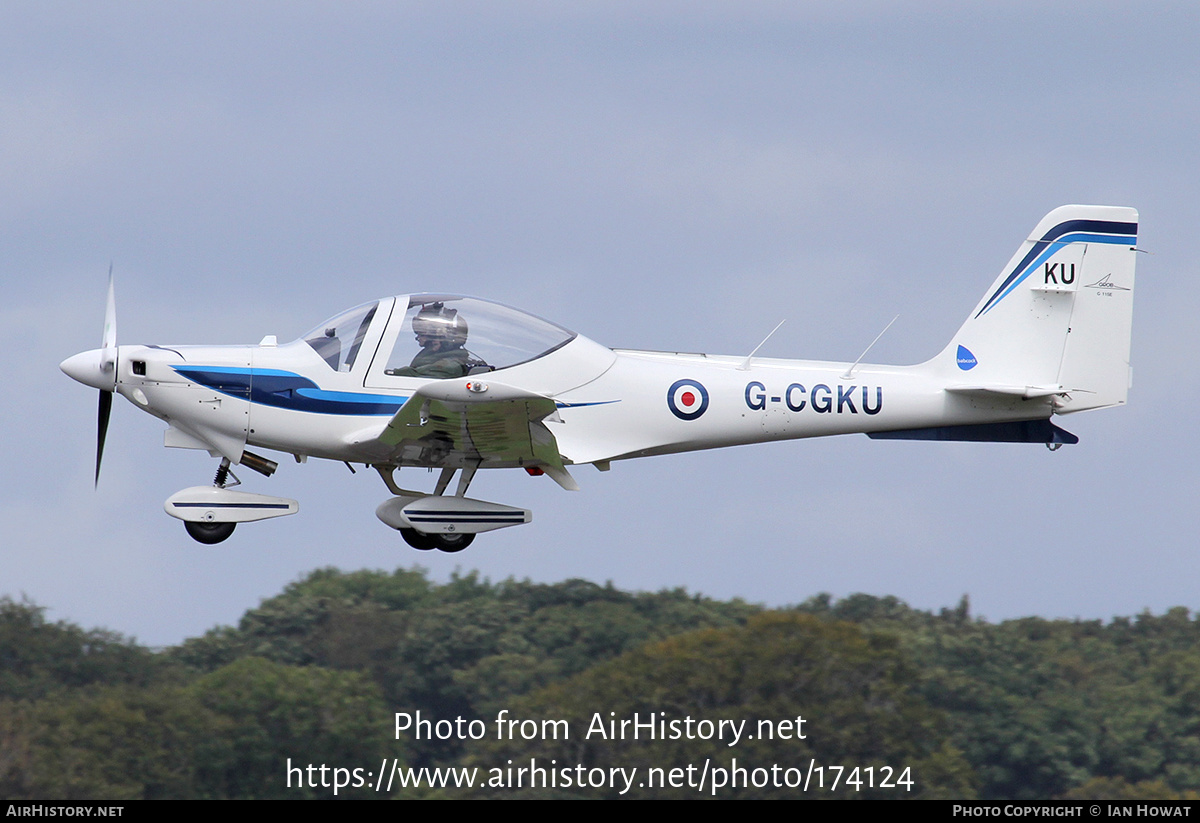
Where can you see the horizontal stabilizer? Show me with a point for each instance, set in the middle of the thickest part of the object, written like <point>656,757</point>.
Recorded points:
<point>1025,431</point>
<point>1024,392</point>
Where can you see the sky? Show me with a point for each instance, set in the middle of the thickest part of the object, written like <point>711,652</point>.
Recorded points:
<point>669,175</point>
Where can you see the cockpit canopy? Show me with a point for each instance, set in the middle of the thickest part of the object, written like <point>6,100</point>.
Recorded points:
<point>339,339</point>
<point>483,336</point>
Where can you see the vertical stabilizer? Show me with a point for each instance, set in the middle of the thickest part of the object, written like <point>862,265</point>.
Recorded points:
<point>1057,321</point>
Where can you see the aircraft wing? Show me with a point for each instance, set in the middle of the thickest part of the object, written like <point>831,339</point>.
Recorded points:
<point>456,422</point>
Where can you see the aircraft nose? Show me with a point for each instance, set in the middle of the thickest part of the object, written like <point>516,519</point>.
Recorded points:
<point>85,368</point>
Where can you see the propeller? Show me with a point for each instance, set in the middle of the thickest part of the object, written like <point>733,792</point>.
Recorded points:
<point>108,368</point>
<point>98,368</point>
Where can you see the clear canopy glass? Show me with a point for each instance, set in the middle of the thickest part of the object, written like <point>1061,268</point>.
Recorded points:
<point>339,339</point>
<point>455,336</point>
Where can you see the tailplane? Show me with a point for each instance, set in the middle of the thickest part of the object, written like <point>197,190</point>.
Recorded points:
<point>1056,323</point>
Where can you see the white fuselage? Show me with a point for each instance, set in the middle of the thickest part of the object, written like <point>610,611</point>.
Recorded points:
<point>611,404</point>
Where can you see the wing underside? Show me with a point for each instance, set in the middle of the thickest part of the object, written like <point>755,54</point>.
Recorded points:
<point>454,426</point>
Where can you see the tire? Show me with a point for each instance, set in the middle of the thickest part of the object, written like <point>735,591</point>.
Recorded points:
<point>451,543</point>
<point>419,541</point>
<point>208,533</point>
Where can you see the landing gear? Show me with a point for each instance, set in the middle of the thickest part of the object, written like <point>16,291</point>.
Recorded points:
<point>208,533</point>
<point>442,542</point>
<point>209,513</point>
<point>440,521</point>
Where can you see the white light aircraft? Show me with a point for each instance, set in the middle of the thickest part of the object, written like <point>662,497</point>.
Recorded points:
<point>460,384</point>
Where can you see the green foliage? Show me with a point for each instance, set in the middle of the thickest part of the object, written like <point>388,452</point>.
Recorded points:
<point>459,649</point>
<point>227,735</point>
<point>270,716</point>
<point>283,628</point>
<point>112,742</point>
<point>1028,708</point>
<point>1041,706</point>
<point>38,657</point>
<point>854,687</point>
<point>1046,705</point>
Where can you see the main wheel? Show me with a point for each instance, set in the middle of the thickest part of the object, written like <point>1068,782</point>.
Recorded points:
<point>418,540</point>
<point>451,543</point>
<point>208,533</point>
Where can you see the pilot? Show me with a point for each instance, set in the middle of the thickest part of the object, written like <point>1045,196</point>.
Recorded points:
<point>442,335</point>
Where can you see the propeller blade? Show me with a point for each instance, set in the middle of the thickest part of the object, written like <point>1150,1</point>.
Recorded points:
<point>108,365</point>
<point>105,410</point>
<point>108,344</point>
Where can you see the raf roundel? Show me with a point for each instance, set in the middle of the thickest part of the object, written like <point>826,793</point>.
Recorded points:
<point>687,399</point>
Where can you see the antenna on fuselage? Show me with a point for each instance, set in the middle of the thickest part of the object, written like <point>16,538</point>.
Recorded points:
<point>746,363</point>
<point>854,365</point>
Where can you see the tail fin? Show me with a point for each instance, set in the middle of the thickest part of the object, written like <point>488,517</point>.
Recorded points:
<point>1057,321</point>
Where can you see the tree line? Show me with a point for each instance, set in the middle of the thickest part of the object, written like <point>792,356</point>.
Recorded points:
<point>1020,709</point>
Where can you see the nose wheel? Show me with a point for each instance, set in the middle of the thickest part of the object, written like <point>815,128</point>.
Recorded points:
<point>210,513</point>
<point>208,533</point>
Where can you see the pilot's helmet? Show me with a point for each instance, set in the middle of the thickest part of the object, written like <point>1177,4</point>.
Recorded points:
<point>436,321</point>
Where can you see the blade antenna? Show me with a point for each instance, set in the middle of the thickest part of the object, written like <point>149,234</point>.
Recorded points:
<point>854,365</point>
<point>746,363</point>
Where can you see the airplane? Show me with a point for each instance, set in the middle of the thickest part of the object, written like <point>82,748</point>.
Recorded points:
<point>456,383</point>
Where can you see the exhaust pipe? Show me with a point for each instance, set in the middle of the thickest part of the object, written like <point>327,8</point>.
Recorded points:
<point>259,463</point>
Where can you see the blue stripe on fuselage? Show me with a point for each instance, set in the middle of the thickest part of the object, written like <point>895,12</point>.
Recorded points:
<point>288,390</point>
